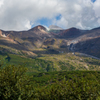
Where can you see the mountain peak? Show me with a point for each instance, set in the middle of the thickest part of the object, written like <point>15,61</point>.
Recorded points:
<point>39,27</point>
<point>73,29</point>
<point>54,27</point>
<point>70,33</point>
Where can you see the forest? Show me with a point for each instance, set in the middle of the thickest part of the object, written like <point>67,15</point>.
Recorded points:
<point>49,77</point>
<point>17,84</point>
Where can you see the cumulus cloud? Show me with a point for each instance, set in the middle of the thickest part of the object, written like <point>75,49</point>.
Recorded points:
<point>80,14</point>
<point>96,8</point>
<point>20,14</point>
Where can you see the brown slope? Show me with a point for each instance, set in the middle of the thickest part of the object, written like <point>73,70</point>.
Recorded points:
<point>38,31</point>
<point>88,43</point>
<point>85,41</point>
<point>91,47</point>
<point>88,35</point>
<point>70,33</point>
<point>27,39</point>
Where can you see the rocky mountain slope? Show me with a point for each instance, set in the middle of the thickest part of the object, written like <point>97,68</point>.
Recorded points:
<point>40,40</point>
<point>89,43</point>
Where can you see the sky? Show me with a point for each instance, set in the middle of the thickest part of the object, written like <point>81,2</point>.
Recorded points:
<point>24,14</point>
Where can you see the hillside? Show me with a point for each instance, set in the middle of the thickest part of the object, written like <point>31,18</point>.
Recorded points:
<point>51,62</point>
<point>38,42</point>
<point>50,65</point>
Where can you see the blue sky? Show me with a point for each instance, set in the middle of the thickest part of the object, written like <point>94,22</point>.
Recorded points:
<point>46,22</point>
<point>93,0</point>
<point>43,21</point>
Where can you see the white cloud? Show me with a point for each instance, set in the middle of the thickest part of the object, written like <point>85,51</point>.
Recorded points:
<point>1,3</point>
<point>19,14</point>
<point>80,14</point>
<point>28,25</point>
<point>97,8</point>
<point>62,22</point>
<point>79,25</point>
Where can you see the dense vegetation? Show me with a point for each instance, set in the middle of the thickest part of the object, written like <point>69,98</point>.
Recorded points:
<point>49,77</point>
<point>16,84</point>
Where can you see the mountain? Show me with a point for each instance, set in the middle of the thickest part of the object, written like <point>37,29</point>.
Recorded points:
<point>24,39</point>
<point>70,33</point>
<point>89,42</point>
<point>54,27</point>
<point>65,60</point>
<point>40,40</point>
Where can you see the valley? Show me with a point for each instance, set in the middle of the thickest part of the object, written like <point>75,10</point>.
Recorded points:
<point>50,64</point>
<point>64,49</point>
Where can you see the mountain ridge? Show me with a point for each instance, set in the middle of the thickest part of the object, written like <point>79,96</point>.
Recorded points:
<point>39,37</point>
<point>54,27</point>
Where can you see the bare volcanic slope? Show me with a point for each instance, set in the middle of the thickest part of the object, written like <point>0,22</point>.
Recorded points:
<point>38,31</point>
<point>24,39</point>
<point>71,33</point>
<point>8,40</point>
<point>85,41</point>
<point>89,43</point>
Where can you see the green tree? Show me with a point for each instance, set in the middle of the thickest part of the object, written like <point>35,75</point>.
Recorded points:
<point>14,83</point>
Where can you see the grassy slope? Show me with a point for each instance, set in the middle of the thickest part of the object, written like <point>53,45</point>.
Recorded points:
<point>53,62</point>
<point>61,82</point>
<point>68,61</point>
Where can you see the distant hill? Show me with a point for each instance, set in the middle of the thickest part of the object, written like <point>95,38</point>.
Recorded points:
<point>54,27</point>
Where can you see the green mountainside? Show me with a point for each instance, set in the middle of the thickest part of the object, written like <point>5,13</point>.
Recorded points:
<point>50,65</point>
<point>52,62</point>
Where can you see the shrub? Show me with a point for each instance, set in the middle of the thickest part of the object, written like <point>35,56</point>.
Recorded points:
<point>14,84</point>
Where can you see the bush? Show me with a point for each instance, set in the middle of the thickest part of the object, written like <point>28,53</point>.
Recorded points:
<point>74,89</point>
<point>14,83</point>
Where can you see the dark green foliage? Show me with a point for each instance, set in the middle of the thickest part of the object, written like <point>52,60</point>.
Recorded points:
<point>42,65</point>
<point>8,58</point>
<point>33,65</point>
<point>14,83</point>
<point>92,61</point>
<point>66,66</point>
<point>71,89</point>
